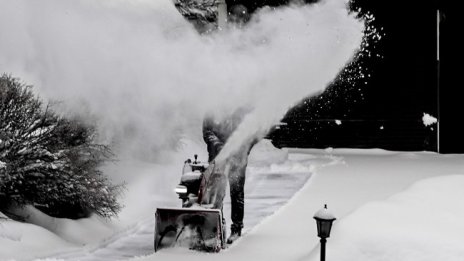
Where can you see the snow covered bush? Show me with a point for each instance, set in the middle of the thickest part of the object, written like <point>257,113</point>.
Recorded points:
<point>49,161</point>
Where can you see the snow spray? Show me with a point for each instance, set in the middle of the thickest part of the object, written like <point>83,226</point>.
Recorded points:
<point>142,72</point>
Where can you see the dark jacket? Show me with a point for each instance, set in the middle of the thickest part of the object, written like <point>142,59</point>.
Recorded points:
<point>217,132</point>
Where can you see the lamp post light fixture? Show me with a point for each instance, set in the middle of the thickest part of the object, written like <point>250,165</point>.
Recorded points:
<point>324,220</point>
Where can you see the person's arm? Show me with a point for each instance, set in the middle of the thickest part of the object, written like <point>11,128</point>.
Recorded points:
<point>213,142</point>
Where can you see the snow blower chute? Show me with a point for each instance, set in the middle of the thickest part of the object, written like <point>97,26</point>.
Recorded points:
<point>198,224</point>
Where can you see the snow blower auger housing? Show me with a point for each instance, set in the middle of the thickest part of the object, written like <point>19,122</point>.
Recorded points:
<point>194,225</point>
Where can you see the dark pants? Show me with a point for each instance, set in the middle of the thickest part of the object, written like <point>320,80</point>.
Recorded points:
<point>237,196</point>
<point>236,169</point>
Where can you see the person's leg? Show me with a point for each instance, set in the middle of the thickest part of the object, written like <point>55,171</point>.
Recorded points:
<point>237,195</point>
<point>236,174</point>
<point>235,171</point>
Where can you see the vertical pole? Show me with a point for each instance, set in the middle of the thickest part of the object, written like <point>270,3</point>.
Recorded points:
<point>323,241</point>
<point>438,81</point>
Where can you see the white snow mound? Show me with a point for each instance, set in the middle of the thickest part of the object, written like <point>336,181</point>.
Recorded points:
<point>423,223</point>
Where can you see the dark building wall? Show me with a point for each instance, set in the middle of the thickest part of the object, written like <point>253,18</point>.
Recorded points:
<point>386,109</point>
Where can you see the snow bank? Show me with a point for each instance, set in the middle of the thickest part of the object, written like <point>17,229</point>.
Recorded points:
<point>82,231</point>
<point>423,223</point>
<point>24,241</point>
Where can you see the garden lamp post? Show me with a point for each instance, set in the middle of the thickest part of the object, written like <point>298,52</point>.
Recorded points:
<point>324,220</point>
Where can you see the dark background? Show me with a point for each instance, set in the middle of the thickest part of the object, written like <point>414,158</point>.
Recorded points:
<point>403,81</point>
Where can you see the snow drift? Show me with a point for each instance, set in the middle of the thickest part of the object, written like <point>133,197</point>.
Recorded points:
<point>422,223</point>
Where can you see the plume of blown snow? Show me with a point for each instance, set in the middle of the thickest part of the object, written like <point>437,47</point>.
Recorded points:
<point>143,73</point>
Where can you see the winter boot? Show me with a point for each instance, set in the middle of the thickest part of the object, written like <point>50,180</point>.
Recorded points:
<point>234,234</point>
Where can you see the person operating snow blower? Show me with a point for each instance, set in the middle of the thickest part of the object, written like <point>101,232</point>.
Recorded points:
<point>199,224</point>
<point>216,133</point>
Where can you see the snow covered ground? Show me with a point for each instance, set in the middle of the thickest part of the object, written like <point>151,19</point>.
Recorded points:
<point>389,205</point>
<point>135,66</point>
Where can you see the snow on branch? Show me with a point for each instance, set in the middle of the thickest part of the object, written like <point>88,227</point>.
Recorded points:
<point>50,161</point>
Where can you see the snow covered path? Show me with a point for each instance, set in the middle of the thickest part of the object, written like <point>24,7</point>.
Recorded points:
<point>267,189</point>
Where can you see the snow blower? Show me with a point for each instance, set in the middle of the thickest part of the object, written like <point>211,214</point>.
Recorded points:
<point>198,224</point>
